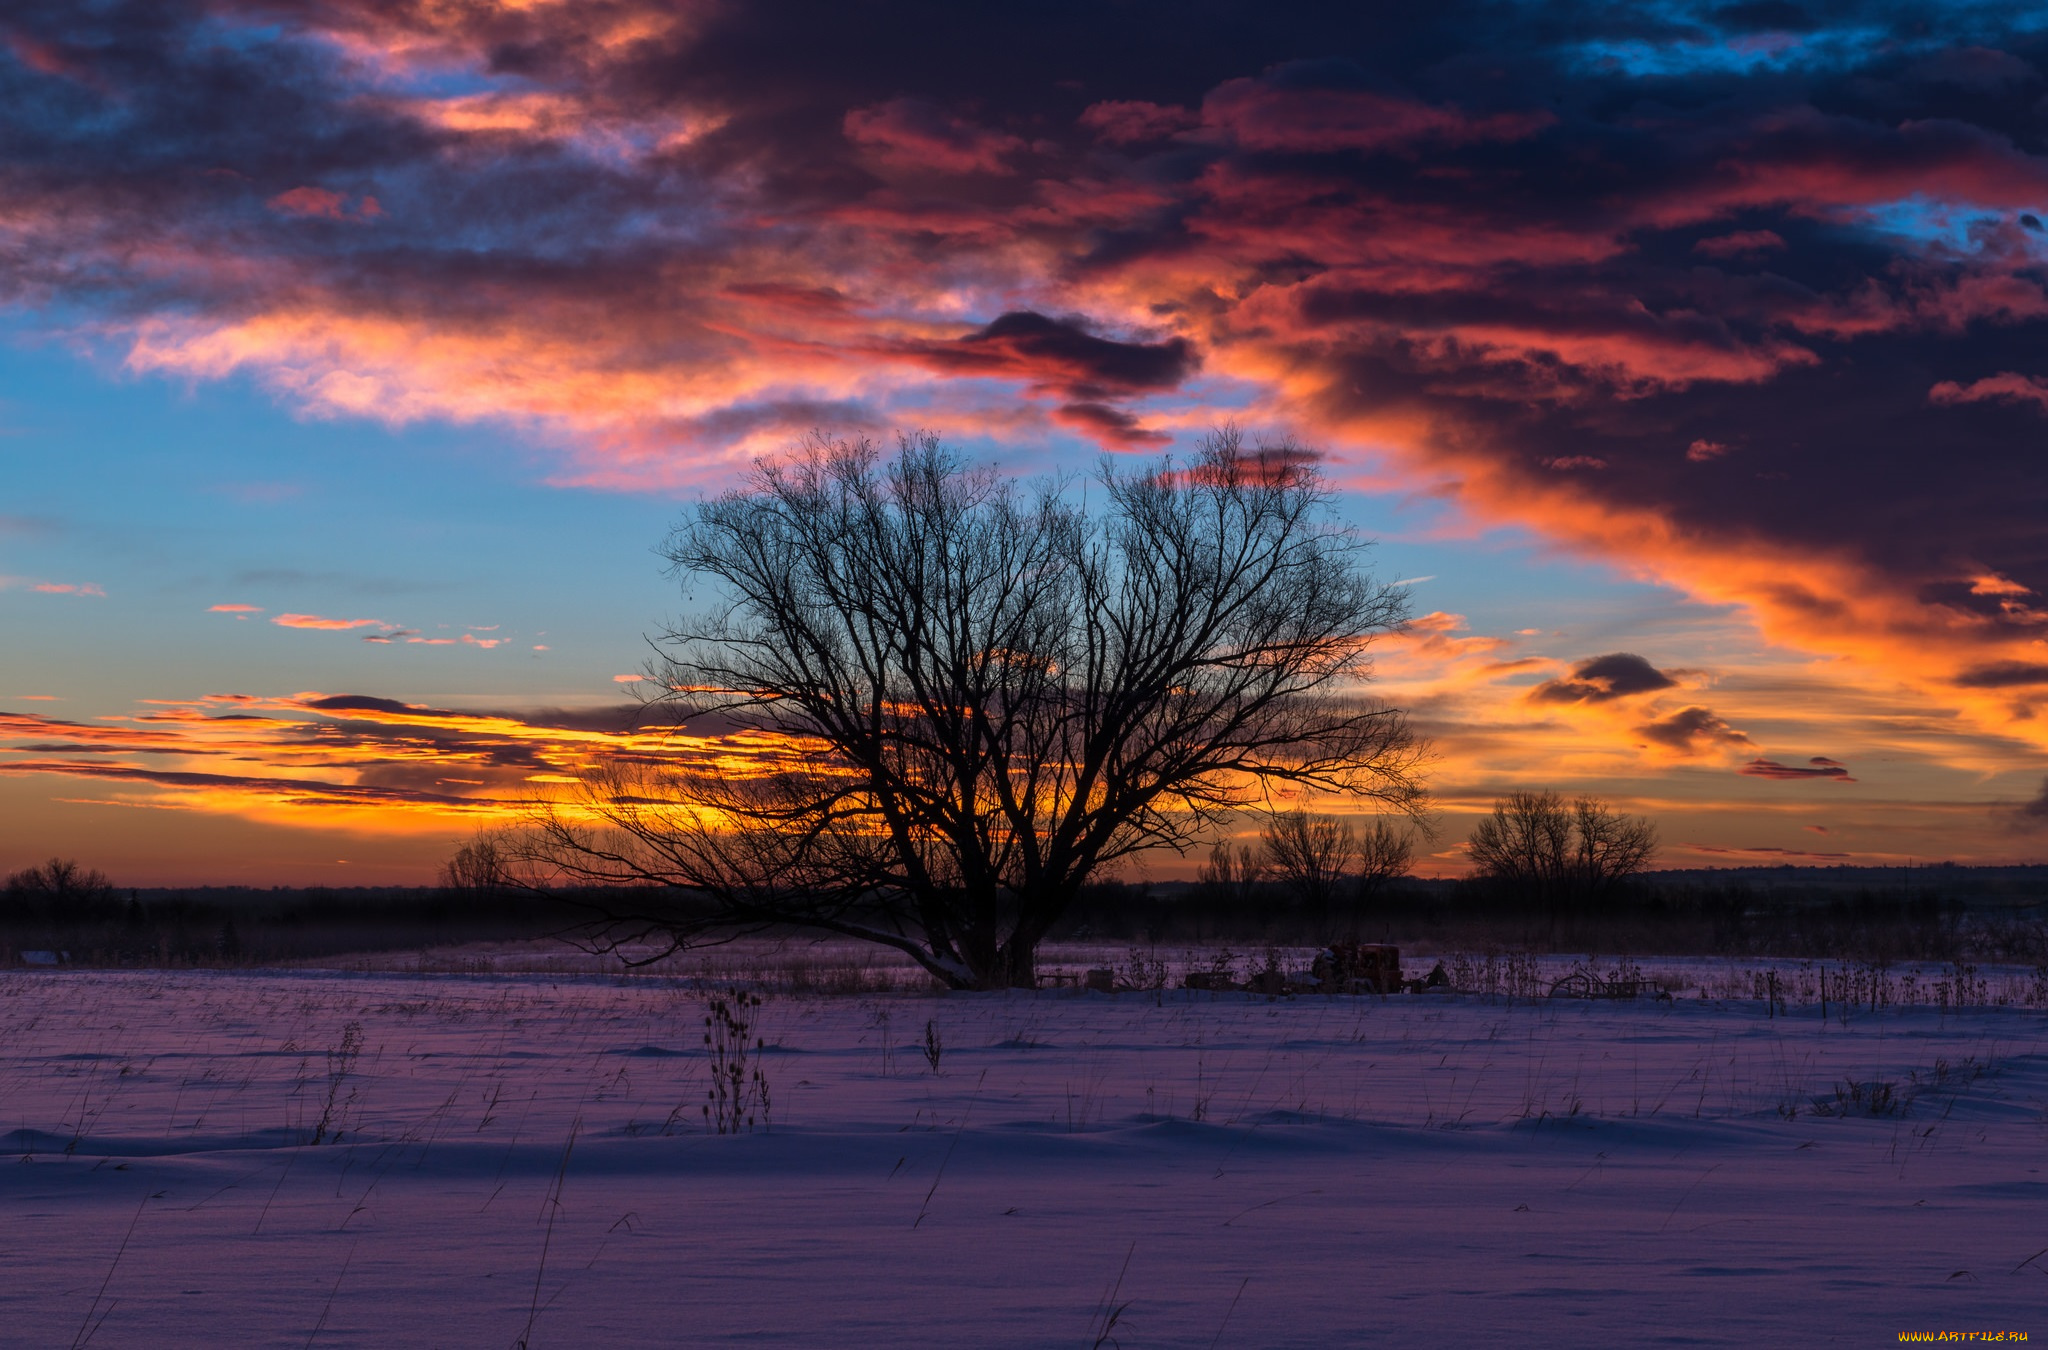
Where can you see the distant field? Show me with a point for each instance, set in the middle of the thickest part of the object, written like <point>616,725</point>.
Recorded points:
<point>527,1156</point>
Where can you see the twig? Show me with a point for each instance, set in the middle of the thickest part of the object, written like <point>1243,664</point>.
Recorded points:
<point>1228,1311</point>
<point>328,1307</point>
<point>554,1202</point>
<point>1687,1196</point>
<point>1112,1311</point>
<point>921,1209</point>
<point>88,1328</point>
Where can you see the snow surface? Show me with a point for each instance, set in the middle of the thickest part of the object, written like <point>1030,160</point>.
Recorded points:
<point>1224,1170</point>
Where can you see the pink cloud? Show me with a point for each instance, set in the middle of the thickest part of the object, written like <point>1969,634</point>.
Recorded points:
<point>1700,452</point>
<point>908,133</point>
<point>1739,243</point>
<point>1258,116</point>
<point>315,621</point>
<point>1133,121</point>
<point>2005,387</point>
<point>322,204</point>
<point>67,588</point>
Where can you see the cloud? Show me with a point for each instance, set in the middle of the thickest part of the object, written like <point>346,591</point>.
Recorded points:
<point>1692,730</point>
<point>1705,451</point>
<point>69,588</point>
<point>1602,678</point>
<point>1058,355</point>
<point>1134,121</point>
<point>234,609</point>
<point>1765,851</point>
<point>911,134</point>
<point>1739,243</point>
<point>2005,675</point>
<point>2005,387</point>
<point>355,760</point>
<point>315,621</point>
<point>1111,426</point>
<point>1817,767</point>
<point>659,241</point>
<point>325,205</point>
<point>2037,809</point>
<point>1306,108</point>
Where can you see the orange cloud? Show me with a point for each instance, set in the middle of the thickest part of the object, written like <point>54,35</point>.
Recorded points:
<point>354,762</point>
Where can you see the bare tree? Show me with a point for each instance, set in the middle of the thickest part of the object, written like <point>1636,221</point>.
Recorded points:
<point>1385,853</point>
<point>481,868</point>
<point>1536,844</point>
<point>1309,855</point>
<point>1232,873</point>
<point>58,889</point>
<point>983,695</point>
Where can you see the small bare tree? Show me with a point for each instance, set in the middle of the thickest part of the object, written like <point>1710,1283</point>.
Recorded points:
<point>480,869</point>
<point>1309,855</point>
<point>982,695</point>
<point>1558,853</point>
<point>1232,873</point>
<point>1385,853</point>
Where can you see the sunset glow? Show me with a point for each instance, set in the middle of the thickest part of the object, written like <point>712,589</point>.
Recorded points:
<point>1686,358</point>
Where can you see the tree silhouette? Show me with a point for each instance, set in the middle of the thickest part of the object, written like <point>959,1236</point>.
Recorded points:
<point>1560,854</point>
<point>985,694</point>
<point>1310,857</point>
<point>59,889</point>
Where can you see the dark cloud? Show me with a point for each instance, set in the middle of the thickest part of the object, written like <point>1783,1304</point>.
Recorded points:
<point>1616,675</point>
<point>2037,809</point>
<point>303,791</point>
<point>1819,767</point>
<point>1692,730</point>
<point>1059,355</point>
<point>1765,851</point>
<point>1112,426</point>
<point>2004,675</point>
<point>363,703</point>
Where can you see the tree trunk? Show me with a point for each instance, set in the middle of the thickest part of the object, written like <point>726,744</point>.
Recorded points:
<point>1015,965</point>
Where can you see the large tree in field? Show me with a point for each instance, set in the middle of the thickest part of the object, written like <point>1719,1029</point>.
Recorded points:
<point>990,692</point>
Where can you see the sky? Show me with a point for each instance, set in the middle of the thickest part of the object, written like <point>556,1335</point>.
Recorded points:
<point>1685,361</point>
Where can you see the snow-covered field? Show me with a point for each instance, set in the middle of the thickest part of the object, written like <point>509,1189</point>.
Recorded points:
<point>526,1157</point>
